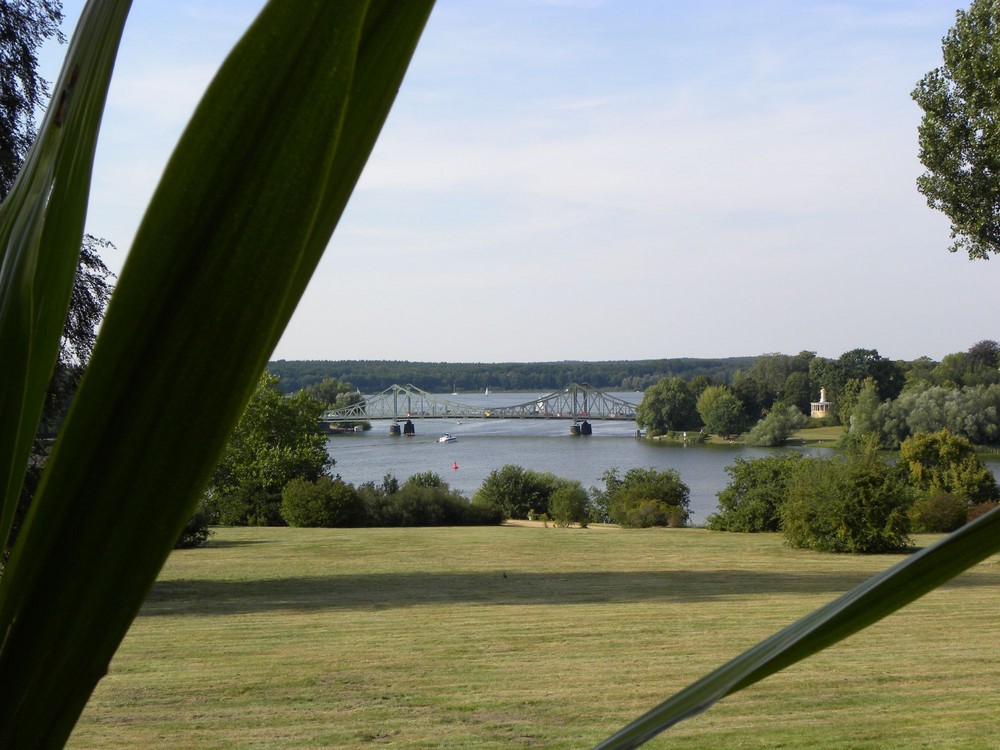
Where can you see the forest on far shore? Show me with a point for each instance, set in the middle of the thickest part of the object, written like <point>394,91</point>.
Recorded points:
<point>373,376</point>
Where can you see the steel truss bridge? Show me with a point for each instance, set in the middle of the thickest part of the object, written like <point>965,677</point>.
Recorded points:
<point>579,402</point>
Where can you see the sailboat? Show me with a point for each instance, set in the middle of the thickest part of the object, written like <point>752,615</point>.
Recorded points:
<point>487,390</point>
<point>454,390</point>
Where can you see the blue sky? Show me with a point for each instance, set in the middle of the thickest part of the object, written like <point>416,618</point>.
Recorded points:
<point>629,179</point>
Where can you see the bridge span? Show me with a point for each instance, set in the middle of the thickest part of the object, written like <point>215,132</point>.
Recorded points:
<point>403,403</point>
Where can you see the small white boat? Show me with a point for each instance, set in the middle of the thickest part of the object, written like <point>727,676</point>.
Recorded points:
<point>447,438</point>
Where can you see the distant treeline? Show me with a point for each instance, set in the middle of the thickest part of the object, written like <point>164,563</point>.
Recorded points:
<point>372,376</point>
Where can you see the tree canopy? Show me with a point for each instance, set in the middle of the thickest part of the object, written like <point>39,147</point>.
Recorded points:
<point>668,405</point>
<point>277,439</point>
<point>959,134</point>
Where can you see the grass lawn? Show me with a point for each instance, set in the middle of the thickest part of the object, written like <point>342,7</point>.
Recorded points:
<point>817,435</point>
<point>529,636</point>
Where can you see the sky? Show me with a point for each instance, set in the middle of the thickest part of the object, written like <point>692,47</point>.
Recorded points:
<point>604,180</point>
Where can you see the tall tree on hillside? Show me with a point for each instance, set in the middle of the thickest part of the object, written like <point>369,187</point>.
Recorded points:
<point>959,134</point>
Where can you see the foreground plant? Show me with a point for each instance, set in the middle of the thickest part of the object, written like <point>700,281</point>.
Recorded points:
<point>244,210</point>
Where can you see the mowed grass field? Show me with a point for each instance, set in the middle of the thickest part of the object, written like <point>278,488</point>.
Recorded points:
<point>520,636</point>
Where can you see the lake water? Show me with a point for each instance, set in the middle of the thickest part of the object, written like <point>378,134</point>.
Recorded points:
<point>542,445</point>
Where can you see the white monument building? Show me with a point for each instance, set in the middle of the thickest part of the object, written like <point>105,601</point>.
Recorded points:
<point>821,408</point>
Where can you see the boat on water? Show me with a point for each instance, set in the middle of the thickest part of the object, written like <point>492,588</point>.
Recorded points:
<point>447,438</point>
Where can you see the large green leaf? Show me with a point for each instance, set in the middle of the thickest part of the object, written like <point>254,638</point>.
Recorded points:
<point>41,226</point>
<point>242,214</point>
<point>865,604</point>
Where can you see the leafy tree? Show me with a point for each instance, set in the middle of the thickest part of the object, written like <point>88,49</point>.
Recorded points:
<point>973,413</point>
<point>668,405</point>
<point>919,371</point>
<point>796,390</point>
<point>277,439</point>
<point>334,393</point>
<point>959,134</point>
<point>777,426</point>
<point>24,27</point>
<point>941,462</point>
<point>757,490</point>
<point>985,353</point>
<point>753,395</point>
<point>516,491</point>
<point>862,419</point>
<point>644,497</point>
<point>569,504</point>
<point>771,371</point>
<point>721,411</point>
<point>854,503</point>
<point>699,383</point>
<point>974,367</point>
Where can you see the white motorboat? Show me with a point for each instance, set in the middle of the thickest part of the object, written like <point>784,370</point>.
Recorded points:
<point>447,438</point>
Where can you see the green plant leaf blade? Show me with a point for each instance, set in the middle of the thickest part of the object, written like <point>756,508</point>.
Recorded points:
<point>240,218</point>
<point>860,607</point>
<point>41,226</point>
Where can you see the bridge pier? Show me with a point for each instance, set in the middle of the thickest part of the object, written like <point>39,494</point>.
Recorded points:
<point>408,429</point>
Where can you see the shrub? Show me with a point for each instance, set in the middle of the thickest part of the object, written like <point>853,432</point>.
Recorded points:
<point>246,506</point>
<point>943,462</point>
<point>980,509</point>
<point>517,491</point>
<point>857,503</point>
<point>196,531</point>
<point>775,428</point>
<point>423,500</point>
<point>642,514</point>
<point>938,512</point>
<point>569,505</point>
<point>757,490</point>
<point>643,497</point>
<point>324,503</point>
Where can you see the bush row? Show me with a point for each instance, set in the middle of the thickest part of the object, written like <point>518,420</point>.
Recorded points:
<point>860,501</point>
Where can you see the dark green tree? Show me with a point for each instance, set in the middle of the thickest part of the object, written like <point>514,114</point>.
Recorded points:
<point>959,134</point>
<point>668,405</point>
<point>757,490</point>
<point>516,491</point>
<point>796,390</point>
<point>277,439</point>
<point>857,502</point>
<point>569,504</point>
<point>753,394</point>
<point>24,27</point>
<point>334,393</point>
<point>721,411</point>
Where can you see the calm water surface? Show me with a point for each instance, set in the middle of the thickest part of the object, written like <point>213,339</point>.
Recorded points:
<point>542,445</point>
